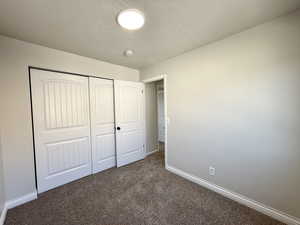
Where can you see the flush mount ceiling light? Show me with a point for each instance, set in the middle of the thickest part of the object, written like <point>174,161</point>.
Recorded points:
<point>128,52</point>
<point>131,19</point>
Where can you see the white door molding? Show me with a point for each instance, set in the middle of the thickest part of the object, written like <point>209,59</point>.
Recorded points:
<point>160,113</point>
<point>153,79</point>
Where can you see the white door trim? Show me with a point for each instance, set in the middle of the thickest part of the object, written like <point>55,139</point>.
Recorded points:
<point>164,78</point>
<point>161,135</point>
<point>157,78</point>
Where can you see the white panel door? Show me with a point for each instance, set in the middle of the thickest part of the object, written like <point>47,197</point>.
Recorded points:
<point>102,124</point>
<point>61,128</point>
<point>130,122</point>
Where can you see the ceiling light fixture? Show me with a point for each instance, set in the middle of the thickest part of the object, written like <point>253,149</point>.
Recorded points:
<point>131,19</point>
<point>128,52</point>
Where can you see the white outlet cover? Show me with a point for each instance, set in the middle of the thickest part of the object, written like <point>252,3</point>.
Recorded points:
<point>212,171</point>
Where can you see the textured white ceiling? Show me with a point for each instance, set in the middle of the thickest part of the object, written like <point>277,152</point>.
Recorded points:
<point>89,28</point>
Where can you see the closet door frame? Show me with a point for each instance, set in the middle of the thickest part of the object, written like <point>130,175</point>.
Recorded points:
<point>30,68</point>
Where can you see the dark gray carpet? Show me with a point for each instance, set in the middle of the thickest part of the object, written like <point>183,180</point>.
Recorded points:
<point>141,193</point>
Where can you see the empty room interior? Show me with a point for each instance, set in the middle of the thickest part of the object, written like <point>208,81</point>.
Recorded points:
<point>150,112</point>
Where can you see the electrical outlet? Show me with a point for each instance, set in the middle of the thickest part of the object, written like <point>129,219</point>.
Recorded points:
<point>212,171</point>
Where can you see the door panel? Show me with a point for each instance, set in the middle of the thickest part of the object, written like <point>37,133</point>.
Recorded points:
<point>64,103</point>
<point>130,118</point>
<point>60,105</point>
<point>65,155</point>
<point>102,124</point>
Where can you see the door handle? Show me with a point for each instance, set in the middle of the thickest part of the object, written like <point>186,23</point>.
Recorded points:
<point>118,128</point>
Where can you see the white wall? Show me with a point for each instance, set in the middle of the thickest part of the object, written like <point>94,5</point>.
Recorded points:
<point>2,192</point>
<point>151,116</point>
<point>235,105</point>
<point>17,144</point>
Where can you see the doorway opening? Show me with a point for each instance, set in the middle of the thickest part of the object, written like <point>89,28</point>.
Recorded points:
<point>156,116</point>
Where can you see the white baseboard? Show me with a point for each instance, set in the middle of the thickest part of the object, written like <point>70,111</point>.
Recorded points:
<point>19,201</point>
<point>150,153</point>
<point>269,211</point>
<point>3,215</point>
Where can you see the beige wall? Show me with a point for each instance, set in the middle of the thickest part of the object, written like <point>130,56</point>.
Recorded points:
<point>2,192</point>
<point>234,105</point>
<point>151,116</point>
<point>15,103</point>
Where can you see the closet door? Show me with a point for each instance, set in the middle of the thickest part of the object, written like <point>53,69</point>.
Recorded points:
<point>130,122</point>
<point>60,104</point>
<point>102,124</point>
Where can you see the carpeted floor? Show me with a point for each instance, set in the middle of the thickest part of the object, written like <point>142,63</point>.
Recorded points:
<point>141,193</point>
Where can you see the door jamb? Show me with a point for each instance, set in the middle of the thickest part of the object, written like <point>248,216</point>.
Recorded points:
<point>164,78</point>
<point>157,101</point>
